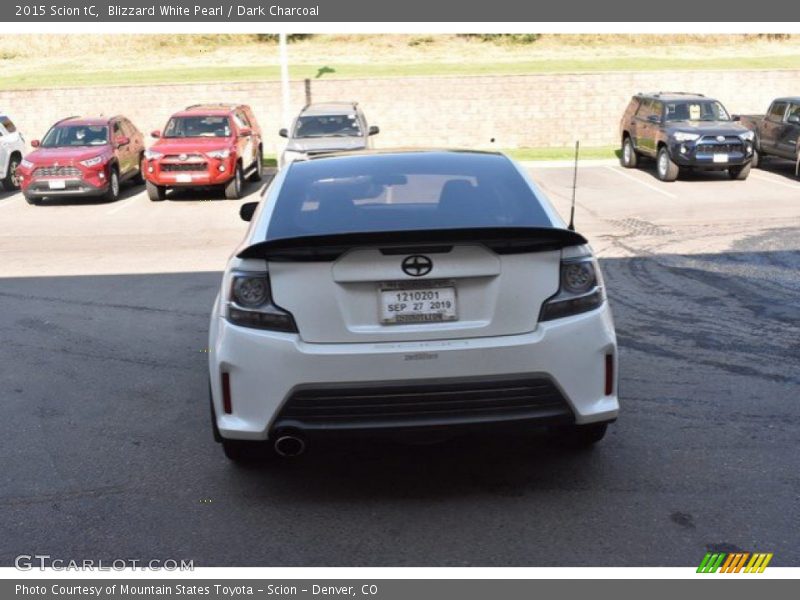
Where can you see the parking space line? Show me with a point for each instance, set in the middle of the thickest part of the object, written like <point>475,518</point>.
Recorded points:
<point>793,186</point>
<point>118,206</point>
<point>618,171</point>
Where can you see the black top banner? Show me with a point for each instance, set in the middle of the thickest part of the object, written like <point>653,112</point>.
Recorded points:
<point>456,11</point>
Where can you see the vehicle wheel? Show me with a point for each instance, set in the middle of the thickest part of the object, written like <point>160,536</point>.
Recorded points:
<point>156,193</point>
<point>31,200</point>
<point>112,195</point>
<point>629,156</point>
<point>258,173</point>
<point>755,160</point>
<point>582,436</point>
<point>11,180</point>
<point>138,179</point>
<point>740,173</point>
<point>233,189</point>
<point>666,169</point>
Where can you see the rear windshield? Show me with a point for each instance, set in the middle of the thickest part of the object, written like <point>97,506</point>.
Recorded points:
<point>403,192</point>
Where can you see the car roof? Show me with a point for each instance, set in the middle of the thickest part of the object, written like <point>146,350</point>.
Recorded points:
<point>212,111</point>
<point>675,96</point>
<point>399,151</point>
<point>795,99</point>
<point>77,120</point>
<point>329,108</point>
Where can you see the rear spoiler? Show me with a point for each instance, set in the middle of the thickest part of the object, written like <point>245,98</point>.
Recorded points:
<point>502,240</point>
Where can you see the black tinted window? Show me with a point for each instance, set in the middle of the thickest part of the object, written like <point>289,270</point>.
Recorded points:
<point>327,126</point>
<point>403,192</point>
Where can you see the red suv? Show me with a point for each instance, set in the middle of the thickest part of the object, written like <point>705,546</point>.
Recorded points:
<point>205,145</point>
<point>83,157</point>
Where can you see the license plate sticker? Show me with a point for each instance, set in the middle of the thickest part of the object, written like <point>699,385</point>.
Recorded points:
<point>720,158</point>
<point>57,184</point>
<point>418,302</point>
<point>183,178</point>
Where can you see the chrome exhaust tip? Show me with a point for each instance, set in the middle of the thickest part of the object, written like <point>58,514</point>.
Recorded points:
<point>289,446</point>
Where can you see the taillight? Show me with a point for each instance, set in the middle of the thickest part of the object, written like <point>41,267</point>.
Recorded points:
<point>580,289</point>
<point>250,304</point>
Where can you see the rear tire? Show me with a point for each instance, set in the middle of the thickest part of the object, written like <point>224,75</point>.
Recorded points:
<point>258,173</point>
<point>666,169</point>
<point>629,158</point>
<point>32,200</point>
<point>112,195</point>
<point>11,181</point>
<point>233,189</point>
<point>739,173</point>
<point>156,193</point>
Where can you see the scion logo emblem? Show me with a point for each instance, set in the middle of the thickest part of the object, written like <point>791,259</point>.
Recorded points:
<point>184,157</point>
<point>417,265</point>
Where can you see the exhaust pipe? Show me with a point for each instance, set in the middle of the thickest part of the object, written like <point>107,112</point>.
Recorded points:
<point>289,445</point>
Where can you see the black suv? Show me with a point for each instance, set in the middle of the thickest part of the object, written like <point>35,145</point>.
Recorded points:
<point>684,130</point>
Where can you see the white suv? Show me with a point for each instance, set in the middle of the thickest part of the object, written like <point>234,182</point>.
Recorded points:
<point>12,148</point>
<point>397,291</point>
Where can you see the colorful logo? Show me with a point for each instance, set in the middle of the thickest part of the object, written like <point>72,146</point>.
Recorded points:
<point>734,562</point>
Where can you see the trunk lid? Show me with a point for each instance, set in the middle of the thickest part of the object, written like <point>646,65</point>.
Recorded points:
<point>342,300</point>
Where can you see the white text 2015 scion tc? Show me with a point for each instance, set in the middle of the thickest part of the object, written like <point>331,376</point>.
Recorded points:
<point>398,291</point>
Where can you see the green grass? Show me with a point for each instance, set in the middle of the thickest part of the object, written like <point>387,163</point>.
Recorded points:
<point>588,152</point>
<point>62,75</point>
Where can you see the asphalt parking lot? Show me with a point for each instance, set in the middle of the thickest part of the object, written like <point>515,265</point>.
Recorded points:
<point>107,450</point>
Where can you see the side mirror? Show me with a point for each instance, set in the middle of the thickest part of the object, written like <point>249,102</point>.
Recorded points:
<point>795,119</point>
<point>654,119</point>
<point>374,130</point>
<point>245,132</point>
<point>247,209</point>
<point>35,143</point>
<point>284,133</point>
<point>123,141</point>
<point>155,133</point>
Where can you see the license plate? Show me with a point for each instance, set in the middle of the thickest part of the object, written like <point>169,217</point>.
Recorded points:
<point>423,302</point>
<point>183,178</point>
<point>720,158</point>
<point>57,184</point>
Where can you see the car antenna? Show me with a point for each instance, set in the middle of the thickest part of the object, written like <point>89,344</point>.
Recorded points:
<point>571,225</point>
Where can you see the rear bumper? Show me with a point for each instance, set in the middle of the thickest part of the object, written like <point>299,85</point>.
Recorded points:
<point>268,372</point>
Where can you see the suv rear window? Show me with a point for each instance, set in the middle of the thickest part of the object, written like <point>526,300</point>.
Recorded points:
<point>403,192</point>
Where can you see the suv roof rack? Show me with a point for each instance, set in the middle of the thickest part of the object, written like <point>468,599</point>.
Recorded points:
<point>657,94</point>
<point>352,103</point>
<point>225,105</point>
